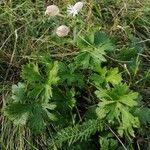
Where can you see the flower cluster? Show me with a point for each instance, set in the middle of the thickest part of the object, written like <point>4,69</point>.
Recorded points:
<point>72,10</point>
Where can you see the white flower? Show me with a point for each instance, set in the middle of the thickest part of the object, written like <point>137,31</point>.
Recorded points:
<point>74,10</point>
<point>62,31</point>
<point>78,6</point>
<point>52,10</point>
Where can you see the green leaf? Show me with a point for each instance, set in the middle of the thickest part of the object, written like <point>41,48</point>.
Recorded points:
<point>51,116</point>
<point>105,76</point>
<point>128,123</point>
<point>36,122</point>
<point>93,47</point>
<point>50,106</point>
<point>144,115</point>
<point>127,54</point>
<point>113,76</point>
<point>71,75</point>
<point>108,143</point>
<point>52,77</point>
<point>70,98</point>
<point>17,112</point>
<point>83,59</point>
<point>18,92</point>
<point>78,133</point>
<point>129,99</point>
<point>100,37</point>
<point>47,93</point>
<point>87,40</point>
<point>30,100</point>
<point>30,73</point>
<point>98,54</point>
<point>115,106</point>
<point>101,113</point>
<point>35,91</point>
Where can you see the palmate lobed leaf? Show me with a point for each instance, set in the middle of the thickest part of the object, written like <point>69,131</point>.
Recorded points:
<point>36,120</point>
<point>105,76</point>
<point>113,76</point>
<point>38,116</point>
<point>129,98</point>
<point>108,143</point>
<point>42,88</point>
<point>127,54</point>
<point>30,100</point>
<point>30,73</point>
<point>17,112</point>
<point>97,55</point>
<point>101,37</point>
<point>115,106</point>
<point>144,115</point>
<point>70,75</point>
<point>85,41</point>
<point>18,92</point>
<point>32,115</point>
<point>35,91</point>
<point>93,47</point>
<point>95,38</point>
<point>90,56</point>
<point>128,123</point>
<point>65,101</point>
<point>83,59</point>
<point>120,93</point>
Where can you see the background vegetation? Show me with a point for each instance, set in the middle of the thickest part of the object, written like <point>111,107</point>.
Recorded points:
<point>89,90</point>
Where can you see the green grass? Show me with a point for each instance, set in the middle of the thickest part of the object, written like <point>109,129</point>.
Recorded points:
<point>26,34</point>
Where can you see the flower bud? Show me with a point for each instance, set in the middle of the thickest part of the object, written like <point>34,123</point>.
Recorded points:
<point>52,10</point>
<point>62,31</point>
<point>78,6</point>
<point>75,9</point>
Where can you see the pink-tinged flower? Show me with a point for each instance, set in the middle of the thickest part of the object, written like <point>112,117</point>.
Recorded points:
<point>62,31</point>
<point>74,9</point>
<point>52,10</point>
